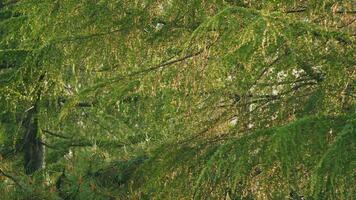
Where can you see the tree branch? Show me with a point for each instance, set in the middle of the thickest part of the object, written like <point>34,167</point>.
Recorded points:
<point>151,69</point>
<point>55,134</point>
<point>298,10</point>
<point>47,145</point>
<point>13,179</point>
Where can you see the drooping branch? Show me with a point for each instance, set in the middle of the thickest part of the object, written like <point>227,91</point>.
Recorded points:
<point>166,63</point>
<point>160,66</point>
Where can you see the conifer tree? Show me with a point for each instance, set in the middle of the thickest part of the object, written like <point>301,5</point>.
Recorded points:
<point>177,99</point>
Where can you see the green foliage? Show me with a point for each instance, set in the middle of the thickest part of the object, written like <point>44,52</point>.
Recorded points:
<point>265,164</point>
<point>226,99</point>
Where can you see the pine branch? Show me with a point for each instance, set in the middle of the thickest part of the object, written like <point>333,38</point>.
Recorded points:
<point>151,69</point>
